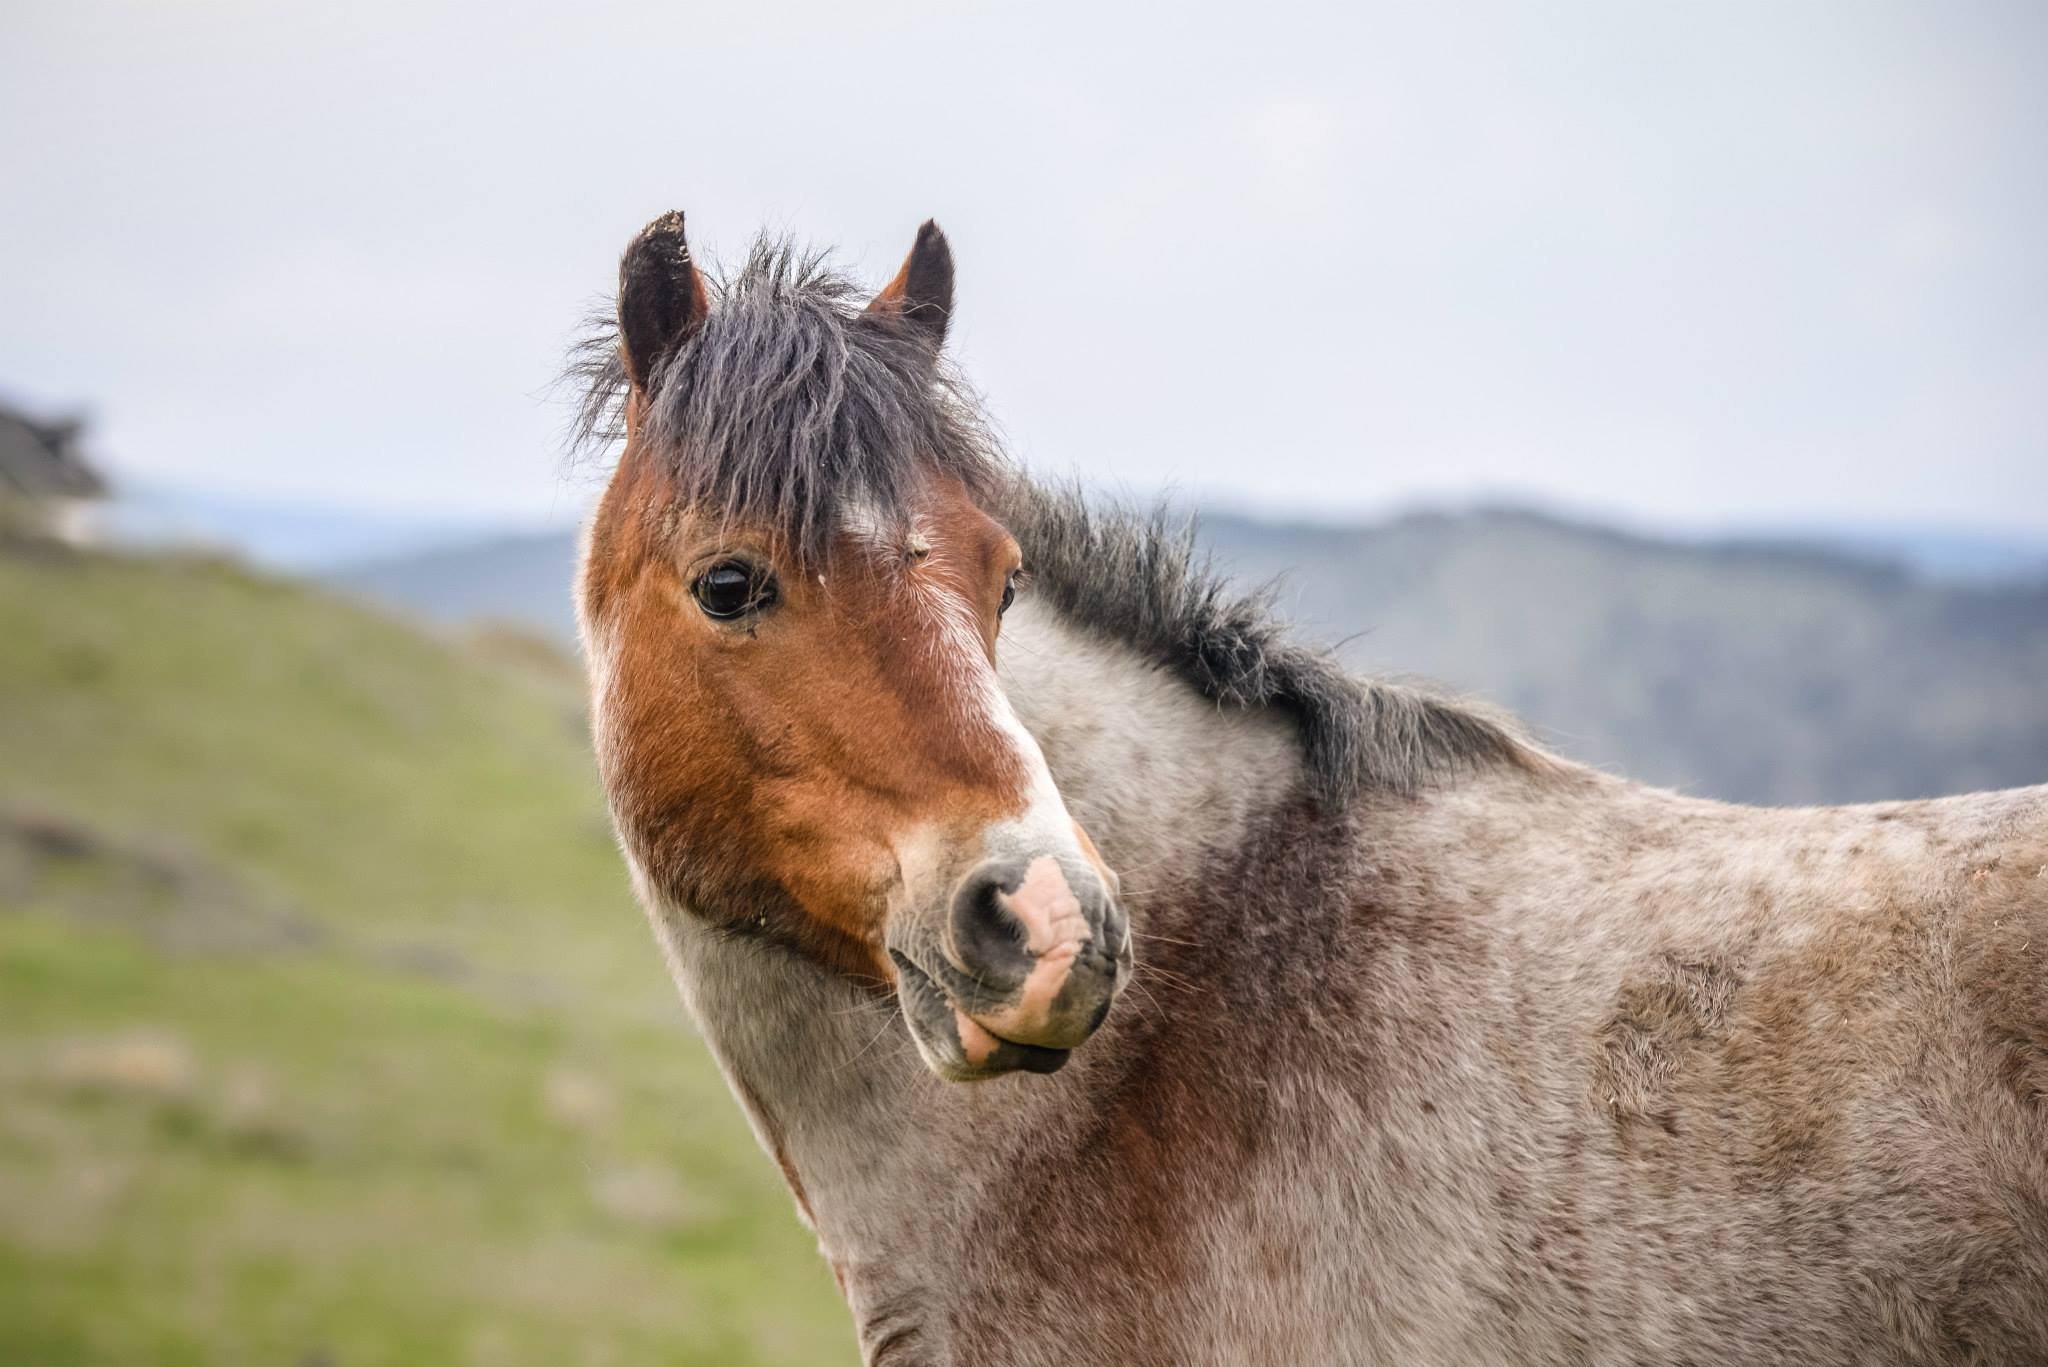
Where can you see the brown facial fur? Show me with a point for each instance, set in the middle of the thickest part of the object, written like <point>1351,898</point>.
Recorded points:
<point>764,771</point>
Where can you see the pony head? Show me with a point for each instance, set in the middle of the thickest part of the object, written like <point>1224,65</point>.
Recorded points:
<point>791,599</point>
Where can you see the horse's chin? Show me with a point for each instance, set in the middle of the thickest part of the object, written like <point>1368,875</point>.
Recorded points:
<point>952,1044</point>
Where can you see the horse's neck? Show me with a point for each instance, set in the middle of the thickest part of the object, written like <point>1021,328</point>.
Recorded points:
<point>1156,774</point>
<point>882,1157</point>
<point>835,1092</point>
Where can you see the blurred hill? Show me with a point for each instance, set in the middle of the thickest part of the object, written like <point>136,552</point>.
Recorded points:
<point>522,579</point>
<point>329,1032</point>
<point>1744,669</point>
<point>1740,670</point>
<point>278,533</point>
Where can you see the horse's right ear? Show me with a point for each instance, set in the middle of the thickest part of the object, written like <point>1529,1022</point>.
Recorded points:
<point>661,297</point>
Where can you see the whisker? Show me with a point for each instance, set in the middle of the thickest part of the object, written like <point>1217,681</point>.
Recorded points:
<point>1163,939</point>
<point>1146,999</point>
<point>1187,985</point>
<point>873,1039</point>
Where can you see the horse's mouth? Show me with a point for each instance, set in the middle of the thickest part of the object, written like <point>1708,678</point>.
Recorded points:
<point>954,1044</point>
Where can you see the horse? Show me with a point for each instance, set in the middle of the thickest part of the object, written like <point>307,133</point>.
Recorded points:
<point>1116,979</point>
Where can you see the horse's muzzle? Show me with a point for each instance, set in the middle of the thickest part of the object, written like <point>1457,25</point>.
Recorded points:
<point>1033,952</point>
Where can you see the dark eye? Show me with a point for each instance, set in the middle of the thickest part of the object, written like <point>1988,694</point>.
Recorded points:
<point>733,588</point>
<point>1009,595</point>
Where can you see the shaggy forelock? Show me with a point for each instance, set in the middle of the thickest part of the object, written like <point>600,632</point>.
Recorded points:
<point>791,404</point>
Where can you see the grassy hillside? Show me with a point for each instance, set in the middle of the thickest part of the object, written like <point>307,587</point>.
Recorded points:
<point>328,1030</point>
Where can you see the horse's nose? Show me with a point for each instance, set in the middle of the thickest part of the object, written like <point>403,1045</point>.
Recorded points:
<point>1041,948</point>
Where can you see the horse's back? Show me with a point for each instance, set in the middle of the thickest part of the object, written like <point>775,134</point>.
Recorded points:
<point>1792,1066</point>
<point>1881,1081</point>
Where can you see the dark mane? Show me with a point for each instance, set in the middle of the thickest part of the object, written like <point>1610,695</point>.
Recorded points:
<point>1141,580</point>
<point>790,404</point>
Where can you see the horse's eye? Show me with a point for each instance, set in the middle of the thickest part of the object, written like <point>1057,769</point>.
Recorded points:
<point>1009,595</point>
<point>733,588</point>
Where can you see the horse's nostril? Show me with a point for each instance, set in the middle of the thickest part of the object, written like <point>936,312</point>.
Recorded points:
<point>990,942</point>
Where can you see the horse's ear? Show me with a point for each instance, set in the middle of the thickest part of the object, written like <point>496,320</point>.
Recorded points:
<point>922,292</point>
<point>661,297</point>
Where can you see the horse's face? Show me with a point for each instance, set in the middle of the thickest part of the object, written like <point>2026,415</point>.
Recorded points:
<point>813,746</point>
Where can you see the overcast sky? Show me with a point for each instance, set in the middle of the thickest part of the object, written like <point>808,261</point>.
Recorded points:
<point>1686,264</point>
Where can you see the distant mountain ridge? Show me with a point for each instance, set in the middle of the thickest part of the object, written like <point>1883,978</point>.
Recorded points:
<point>280,533</point>
<point>1761,668</point>
<point>1759,672</point>
<point>521,580</point>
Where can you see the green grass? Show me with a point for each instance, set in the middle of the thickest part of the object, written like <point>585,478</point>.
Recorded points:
<point>329,1032</point>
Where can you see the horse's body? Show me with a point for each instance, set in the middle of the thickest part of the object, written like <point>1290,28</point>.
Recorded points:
<point>1524,1068</point>
<point>1439,1050</point>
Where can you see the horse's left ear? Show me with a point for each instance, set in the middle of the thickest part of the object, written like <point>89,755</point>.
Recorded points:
<point>922,292</point>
